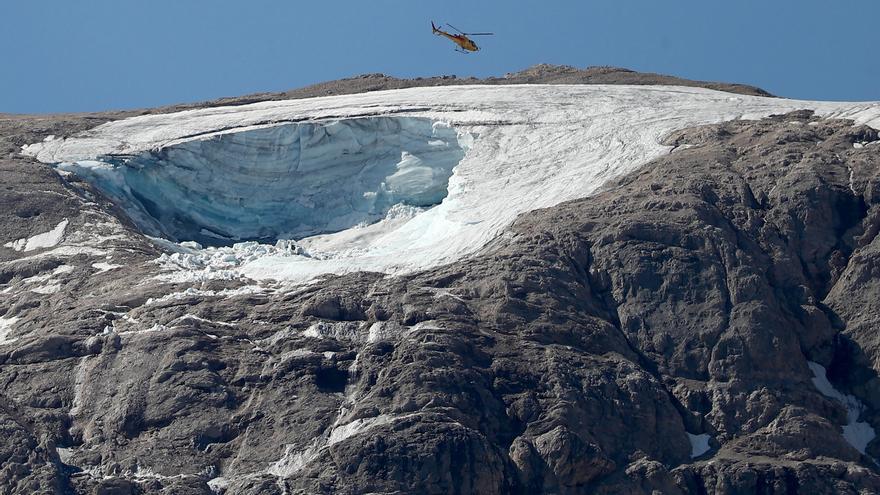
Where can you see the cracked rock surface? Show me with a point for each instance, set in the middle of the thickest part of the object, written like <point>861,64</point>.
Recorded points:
<point>583,352</point>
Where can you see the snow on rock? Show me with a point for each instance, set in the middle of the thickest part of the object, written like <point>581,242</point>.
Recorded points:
<point>205,320</point>
<point>66,252</point>
<point>80,381</point>
<point>390,330</point>
<point>328,171</point>
<point>104,267</point>
<point>59,270</point>
<point>294,460</point>
<point>857,433</point>
<point>218,484</point>
<point>342,432</point>
<point>155,328</point>
<point>339,330</point>
<point>6,328</point>
<point>39,241</point>
<point>352,331</point>
<point>65,453</point>
<point>47,289</point>
<point>50,288</point>
<point>699,444</point>
<point>193,292</point>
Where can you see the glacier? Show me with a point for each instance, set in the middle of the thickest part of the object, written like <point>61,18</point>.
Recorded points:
<point>283,182</point>
<point>390,181</point>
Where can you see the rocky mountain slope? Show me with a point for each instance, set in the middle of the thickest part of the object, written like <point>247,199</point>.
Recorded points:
<point>704,324</point>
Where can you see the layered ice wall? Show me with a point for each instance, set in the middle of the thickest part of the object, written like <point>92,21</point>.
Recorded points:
<point>287,181</point>
<point>520,148</point>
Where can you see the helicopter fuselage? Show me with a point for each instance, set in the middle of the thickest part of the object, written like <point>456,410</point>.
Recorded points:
<point>463,41</point>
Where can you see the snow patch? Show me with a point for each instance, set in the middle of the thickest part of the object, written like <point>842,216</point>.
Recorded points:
<point>293,460</point>
<point>155,328</point>
<point>104,267</point>
<point>44,277</point>
<point>342,432</point>
<point>65,252</point>
<point>47,289</point>
<point>65,453</point>
<point>6,328</point>
<point>40,241</point>
<point>699,444</point>
<point>218,484</point>
<point>50,288</point>
<point>61,269</point>
<point>386,331</point>
<point>857,433</point>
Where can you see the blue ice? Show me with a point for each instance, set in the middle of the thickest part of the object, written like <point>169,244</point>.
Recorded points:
<point>287,181</point>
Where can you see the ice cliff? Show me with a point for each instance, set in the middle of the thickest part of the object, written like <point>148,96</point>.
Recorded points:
<point>327,171</point>
<point>288,181</point>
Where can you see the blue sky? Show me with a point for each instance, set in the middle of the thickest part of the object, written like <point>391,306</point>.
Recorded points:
<point>89,55</point>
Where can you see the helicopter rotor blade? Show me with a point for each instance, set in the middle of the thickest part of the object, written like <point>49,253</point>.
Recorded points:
<point>459,31</point>
<point>455,28</point>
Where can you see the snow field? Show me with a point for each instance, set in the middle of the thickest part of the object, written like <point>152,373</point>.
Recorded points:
<point>524,147</point>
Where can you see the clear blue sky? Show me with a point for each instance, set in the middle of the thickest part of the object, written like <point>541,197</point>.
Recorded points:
<point>85,55</point>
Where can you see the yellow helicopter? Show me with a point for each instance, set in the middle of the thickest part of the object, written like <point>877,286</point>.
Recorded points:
<point>461,39</point>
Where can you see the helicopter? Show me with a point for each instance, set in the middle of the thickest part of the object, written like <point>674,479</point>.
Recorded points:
<point>465,44</point>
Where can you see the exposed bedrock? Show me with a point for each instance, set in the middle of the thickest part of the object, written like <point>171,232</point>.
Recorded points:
<point>283,181</point>
<point>661,336</point>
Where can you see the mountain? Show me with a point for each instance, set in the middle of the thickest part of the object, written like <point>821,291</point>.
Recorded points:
<point>560,281</point>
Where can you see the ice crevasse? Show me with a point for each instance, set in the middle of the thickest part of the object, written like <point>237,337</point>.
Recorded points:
<point>388,181</point>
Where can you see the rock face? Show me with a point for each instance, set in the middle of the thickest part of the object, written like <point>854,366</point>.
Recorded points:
<point>589,350</point>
